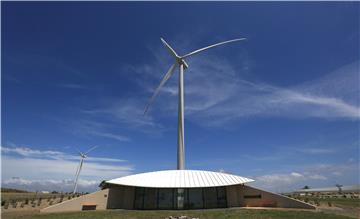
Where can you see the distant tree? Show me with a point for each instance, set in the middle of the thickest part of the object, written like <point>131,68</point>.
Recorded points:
<point>4,190</point>
<point>306,187</point>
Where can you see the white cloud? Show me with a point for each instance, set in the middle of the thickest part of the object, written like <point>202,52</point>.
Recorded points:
<point>48,154</point>
<point>24,151</point>
<point>73,86</point>
<point>111,135</point>
<point>38,167</point>
<point>50,185</point>
<point>91,127</point>
<point>317,177</point>
<point>320,175</point>
<point>216,93</point>
<point>295,174</point>
<point>316,151</point>
<point>129,112</point>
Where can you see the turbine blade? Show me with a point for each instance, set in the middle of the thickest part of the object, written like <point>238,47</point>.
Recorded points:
<point>81,165</point>
<point>171,50</point>
<point>90,150</point>
<point>163,81</point>
<point>211,46</point>
<point>78,150</point>
<point>77,170</point>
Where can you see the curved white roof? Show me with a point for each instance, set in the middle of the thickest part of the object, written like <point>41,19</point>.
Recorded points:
<point>180,179</point>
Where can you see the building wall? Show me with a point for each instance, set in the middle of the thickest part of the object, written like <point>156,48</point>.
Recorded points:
<point>232,196</point>
<point>121,197</point>
<point>98,198</point>
<point>246,196</point>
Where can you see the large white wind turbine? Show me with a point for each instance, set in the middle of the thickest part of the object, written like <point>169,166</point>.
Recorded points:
<point>82,157</point>
<point>181,63</point>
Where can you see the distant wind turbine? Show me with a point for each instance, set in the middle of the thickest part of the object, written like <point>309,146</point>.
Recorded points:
<point>82,157</point>
<point>180,61</point>
<point>339,187</point>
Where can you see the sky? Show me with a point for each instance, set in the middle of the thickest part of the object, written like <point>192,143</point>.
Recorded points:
<point>281,108</point>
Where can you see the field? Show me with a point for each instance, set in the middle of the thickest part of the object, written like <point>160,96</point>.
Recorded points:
<point>342,202</point>
<point>15,204</point>
<point>202,214</point>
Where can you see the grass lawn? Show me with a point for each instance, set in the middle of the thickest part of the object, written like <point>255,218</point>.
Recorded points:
<point>202,214</point>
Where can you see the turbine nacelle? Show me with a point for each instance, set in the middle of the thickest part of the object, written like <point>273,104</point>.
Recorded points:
<point>181,61</point>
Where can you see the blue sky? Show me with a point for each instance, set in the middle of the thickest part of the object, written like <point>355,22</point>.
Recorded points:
<point>281,108</point>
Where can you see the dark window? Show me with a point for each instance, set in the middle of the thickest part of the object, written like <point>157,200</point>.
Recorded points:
<point>150,198</point>
<point>195,199</point>
<point>252,196</point>
<point>139,198</point>
<point>88,207</point>
<point>165,198</point>
<point>221,197</point>
<point>210,197</point>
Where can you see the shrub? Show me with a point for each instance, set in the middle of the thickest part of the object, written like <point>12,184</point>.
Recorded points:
<point>317,203</point>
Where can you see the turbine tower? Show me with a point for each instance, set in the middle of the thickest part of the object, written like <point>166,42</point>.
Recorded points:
<point>181,63</point>
<point>82,157</point>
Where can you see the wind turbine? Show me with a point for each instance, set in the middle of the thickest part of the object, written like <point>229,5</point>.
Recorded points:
<point>339,188</point>
<point>82,157</point>
<point>181,63</point>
